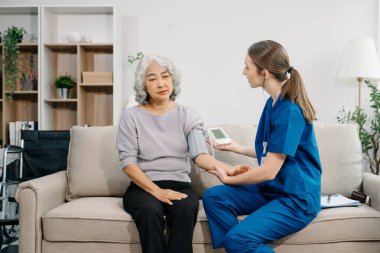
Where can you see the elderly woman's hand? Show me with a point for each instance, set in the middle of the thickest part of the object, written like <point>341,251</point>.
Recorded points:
<point>167,195</point>
<point>220,173</point>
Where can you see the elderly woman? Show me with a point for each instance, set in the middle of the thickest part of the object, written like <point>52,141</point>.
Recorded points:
<point>155,141</point>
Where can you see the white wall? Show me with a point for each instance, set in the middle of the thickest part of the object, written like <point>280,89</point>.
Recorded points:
<point>208,40</point>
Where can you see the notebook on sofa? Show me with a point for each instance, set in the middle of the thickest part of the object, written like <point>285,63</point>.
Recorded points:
<point>337,200</point>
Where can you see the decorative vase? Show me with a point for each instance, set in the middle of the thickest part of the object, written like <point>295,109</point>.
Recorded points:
<point>86,39</point>
<point>27,85</point>
<point>74,37</point>
<point>63,93</point>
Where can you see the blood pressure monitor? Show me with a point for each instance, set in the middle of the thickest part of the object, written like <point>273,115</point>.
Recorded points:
<point>218,136</point>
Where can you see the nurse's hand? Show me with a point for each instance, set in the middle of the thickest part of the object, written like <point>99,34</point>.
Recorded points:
<point>233,146</point>
<point>220,173</point>
<point>238,169</point>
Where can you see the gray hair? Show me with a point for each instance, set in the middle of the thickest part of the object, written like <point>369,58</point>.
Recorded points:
<point>142,97</point>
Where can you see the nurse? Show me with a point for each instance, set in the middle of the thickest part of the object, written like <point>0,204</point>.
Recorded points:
<point>282,195</point>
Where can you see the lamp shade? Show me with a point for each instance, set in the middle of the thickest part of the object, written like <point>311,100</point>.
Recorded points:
<point>360,59</point>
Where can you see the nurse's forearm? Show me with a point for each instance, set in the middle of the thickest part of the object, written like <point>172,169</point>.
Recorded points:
<point>252,176</point>
<point>246,150</point>
<point>267,171</point>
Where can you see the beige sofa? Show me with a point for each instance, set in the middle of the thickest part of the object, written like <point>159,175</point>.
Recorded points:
<point>81,210</point>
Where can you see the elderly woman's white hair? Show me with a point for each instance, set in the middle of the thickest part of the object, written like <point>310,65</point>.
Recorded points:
<point>142,97</point>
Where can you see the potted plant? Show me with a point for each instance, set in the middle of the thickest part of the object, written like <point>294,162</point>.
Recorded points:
<point>11,37</point>
<point>64,84</point>
<point>368,123</point>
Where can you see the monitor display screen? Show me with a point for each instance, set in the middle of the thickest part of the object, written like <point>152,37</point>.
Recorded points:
<point>218,134</point>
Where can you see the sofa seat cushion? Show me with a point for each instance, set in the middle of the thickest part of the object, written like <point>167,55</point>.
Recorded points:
<point>93,219</point>
<point>341,224</point>
<point>103,219</point>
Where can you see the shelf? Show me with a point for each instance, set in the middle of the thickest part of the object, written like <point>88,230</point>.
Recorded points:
<point>98,46</point>
<point>80,10</point>
<point>97,59</point>
<point>62,115</point>
<point>58,59</point>
<point>96,105</point>
<point>95,84</point>
<point>24,92</point>
<point>28,46</point>
<point>13,10</point>
<point>24,107</point>
<point>60,100</point>
<point>61,47</point>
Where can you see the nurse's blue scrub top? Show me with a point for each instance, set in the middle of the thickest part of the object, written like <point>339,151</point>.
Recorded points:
<point>285,130</point>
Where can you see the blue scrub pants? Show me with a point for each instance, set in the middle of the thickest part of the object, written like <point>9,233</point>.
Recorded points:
<point>267,220</point>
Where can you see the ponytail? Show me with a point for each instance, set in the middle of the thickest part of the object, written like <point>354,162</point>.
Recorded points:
<point>294,89</point>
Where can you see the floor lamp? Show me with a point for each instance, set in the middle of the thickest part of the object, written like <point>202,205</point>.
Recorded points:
<point>360,61</point>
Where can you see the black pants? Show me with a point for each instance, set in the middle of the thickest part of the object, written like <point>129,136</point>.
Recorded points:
<point>148,213</point>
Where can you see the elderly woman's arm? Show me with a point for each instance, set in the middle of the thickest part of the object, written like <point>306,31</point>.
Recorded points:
<point>139,178</point>
<point>209,163</point>
<point>199,154</point>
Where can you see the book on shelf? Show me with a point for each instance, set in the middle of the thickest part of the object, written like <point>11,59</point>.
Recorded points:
<point>337,200</point>
<point>12,133</point>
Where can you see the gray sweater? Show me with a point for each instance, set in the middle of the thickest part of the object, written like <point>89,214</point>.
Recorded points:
<point>157,143</point>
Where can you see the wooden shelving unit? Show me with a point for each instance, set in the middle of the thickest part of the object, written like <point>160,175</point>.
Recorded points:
<point>88,103</point>
<point>51,56</point>
<point>24,106</point>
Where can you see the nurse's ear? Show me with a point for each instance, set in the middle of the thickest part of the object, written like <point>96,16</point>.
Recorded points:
<point>264,73</point>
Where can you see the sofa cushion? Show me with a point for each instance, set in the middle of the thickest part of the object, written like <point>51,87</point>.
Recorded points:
<point>92,219</point>
<point>93,165</point>
<point>339,225</point>
<point>102,219</point>
<point>341,157</point>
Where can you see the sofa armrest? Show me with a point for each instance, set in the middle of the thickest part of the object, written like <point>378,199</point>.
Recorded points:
<point>36,197</point>
<point>371,187</point>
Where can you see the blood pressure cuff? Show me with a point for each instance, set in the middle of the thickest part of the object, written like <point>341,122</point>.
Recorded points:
<point>197,144</point>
